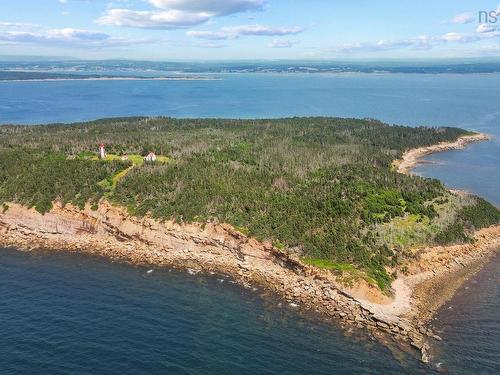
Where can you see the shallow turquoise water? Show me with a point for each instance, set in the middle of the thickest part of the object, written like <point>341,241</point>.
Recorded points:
<point>70,314</point>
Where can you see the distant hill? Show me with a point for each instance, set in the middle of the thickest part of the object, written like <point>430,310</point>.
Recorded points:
<point>306,66</point>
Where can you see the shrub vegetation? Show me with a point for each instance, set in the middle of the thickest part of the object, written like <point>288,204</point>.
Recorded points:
<point>317,186</point>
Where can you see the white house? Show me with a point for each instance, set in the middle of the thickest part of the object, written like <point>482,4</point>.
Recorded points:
<point>151,157</point>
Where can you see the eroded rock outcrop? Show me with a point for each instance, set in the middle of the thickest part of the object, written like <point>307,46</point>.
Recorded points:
<point>111,232</point>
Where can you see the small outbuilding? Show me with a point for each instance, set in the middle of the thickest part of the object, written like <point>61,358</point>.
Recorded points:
<point>151,157</point>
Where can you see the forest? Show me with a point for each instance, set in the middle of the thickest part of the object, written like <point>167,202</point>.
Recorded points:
<point>323,188</point>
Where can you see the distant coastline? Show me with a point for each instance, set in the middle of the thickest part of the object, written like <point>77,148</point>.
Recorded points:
<point>434,67</point>
<point>113,79</point>
<point>42,76</point>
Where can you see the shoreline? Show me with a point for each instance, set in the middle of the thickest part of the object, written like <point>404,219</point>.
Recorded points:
<point>411,158</point>
<point>113,233</point>
<point>434,274</point>
<point>438,272</point>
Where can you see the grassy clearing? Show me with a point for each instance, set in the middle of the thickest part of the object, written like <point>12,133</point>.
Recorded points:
<point>408,232</point>
<point>346,273</point>
<point>110,183</point>
<point>457,215</point>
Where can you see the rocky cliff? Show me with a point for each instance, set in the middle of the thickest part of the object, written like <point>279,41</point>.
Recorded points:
<point>111,232</point>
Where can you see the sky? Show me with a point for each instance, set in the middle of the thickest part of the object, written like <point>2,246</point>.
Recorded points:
<point>249,29</point>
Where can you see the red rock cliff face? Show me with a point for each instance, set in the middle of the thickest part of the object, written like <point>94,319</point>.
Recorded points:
<point>111,232</point>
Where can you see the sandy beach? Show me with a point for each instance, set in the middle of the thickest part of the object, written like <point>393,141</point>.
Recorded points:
<point>412,157</point>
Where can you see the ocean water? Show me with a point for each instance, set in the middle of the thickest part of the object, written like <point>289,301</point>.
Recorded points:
<point>469,324</point>
<point>72,314</point>
<point>62,313</point>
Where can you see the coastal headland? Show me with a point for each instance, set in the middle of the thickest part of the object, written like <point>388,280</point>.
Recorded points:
<point>421,283</point>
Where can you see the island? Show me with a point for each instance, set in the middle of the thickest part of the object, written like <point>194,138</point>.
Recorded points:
<point>323,212</point>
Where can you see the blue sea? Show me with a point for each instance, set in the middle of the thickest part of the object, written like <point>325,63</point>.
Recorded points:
<point>65,313</point>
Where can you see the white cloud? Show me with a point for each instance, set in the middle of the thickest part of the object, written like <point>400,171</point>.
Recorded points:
<point>17,25</point>
<point>458,37</point>
<point>208,35</point>
<point>420,42</point>
<point>209,45</point>
<point>463,18</point>
<point>175,14</point>
<point>262,30</point>
<point>279,43</point>
<point>68,37</point>
<point>214,7</point>
<point>171,19</point>
<point>234,32</point>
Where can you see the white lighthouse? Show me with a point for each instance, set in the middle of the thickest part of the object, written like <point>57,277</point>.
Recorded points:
<point>102,151</point>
